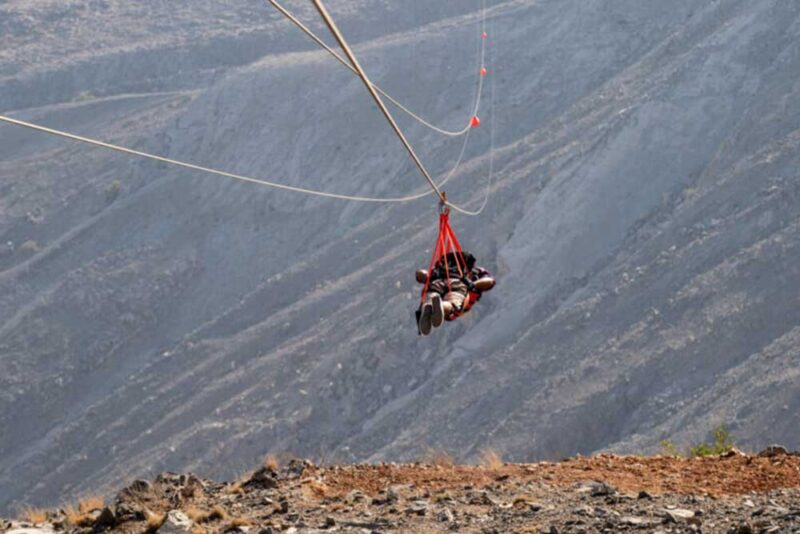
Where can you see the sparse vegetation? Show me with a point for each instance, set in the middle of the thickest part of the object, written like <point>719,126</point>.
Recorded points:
<point>438,457</point>
<point>34,515</point>
<point>89,504</point>
<point>669,449</point>
<point>491,459</point>
<point>29,247</point>
<point>84,96</point>
<point>690,193</point>
<point>237,487</point>
<point>722,443</point>
<point>271,462</point>
<point>75,517</point>
<point>317,488</point>
<point>239,522</point>
<point>196,514</point>
<point>112,191</point>
<point>217,513</point>
<point>154,520</point>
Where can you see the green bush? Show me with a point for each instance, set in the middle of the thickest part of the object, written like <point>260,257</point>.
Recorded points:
<point>668,448</point>
<point>723,442</point>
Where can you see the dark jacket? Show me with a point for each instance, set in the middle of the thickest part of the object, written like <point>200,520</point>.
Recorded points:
<point>460,267</point>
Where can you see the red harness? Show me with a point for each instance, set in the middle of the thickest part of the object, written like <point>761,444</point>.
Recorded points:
<point>469,302</point>
<point>446,243</point>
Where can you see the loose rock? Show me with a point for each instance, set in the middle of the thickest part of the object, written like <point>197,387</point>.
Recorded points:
<point>176,522</point>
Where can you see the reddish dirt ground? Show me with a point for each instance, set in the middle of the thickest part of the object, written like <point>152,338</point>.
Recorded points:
<point>735,474</point>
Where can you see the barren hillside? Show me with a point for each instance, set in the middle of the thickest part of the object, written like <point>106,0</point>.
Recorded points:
<point>643,225</point>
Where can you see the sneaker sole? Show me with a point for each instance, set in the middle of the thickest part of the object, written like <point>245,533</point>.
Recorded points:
<point>425,320</point>
<point>437,317</point>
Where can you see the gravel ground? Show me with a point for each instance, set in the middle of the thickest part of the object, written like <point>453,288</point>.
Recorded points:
<point>606,493</point>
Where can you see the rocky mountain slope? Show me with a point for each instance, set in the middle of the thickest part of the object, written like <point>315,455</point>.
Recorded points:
<point>733,493</point>
<point>643,223</point>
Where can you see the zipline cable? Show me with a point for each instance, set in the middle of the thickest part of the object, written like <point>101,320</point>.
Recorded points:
<point>209,170</point>
<point>452,133</point>
<point>192,166</point>
<point>349,53</point>
<point>268,183</point>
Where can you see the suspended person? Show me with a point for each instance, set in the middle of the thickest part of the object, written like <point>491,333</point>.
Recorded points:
<point>454,285</point>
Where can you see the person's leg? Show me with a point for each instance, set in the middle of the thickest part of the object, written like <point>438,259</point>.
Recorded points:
<point>454,299</point>
<point>432,313</point>
<point>438,289</point>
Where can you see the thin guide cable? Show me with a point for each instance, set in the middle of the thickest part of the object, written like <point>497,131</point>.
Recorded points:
<point>452,133</point>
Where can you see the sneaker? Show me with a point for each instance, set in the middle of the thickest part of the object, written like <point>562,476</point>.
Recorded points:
<point>425,320</point>
<point>437,316</point>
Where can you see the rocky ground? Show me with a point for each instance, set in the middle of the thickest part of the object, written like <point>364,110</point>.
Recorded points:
<point>734,492</point>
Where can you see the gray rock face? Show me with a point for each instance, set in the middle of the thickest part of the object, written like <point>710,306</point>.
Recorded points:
<point>643,225</point>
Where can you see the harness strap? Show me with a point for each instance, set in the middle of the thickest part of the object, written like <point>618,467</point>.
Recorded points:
<point>446,243</point>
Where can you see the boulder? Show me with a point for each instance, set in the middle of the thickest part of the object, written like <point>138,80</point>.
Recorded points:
<point>264,478</point>
<point>140,486</point>
<point>773,451</point>
<point>677,515</point>
<point>176,523</point>
<point>106,518</point>
<point>445,516</point>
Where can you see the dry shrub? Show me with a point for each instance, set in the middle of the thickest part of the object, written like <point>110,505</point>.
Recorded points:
<point>197,515</point>
<point>271,462</point>
<point>240,522</point>
<point>77,518</point>
<point>154,519</point>
<point>34,515</point>
<point>218,513</point>
<point>236,488</point>
<point>438,457</point>
<point>90,504</point>
<point>191,492</point>
<point>317,488</point>
<point>491,459</point>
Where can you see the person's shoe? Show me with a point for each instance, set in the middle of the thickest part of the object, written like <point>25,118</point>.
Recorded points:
<point>425,320</point>
<point>437,314</point>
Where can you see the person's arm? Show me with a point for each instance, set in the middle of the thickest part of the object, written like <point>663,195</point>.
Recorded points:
<point>484,280</point>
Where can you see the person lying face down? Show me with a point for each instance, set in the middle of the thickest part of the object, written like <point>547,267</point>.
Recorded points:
<point>448,301</point>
